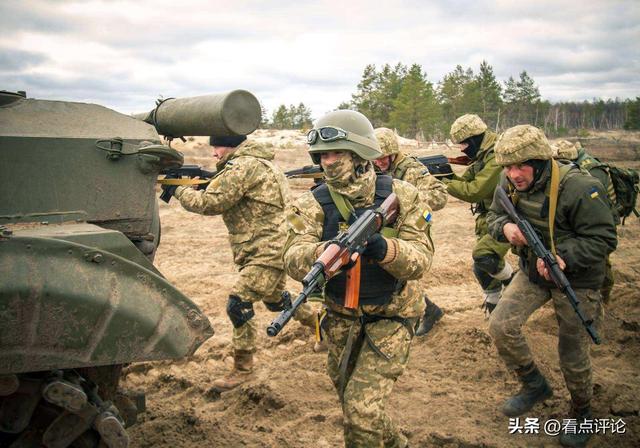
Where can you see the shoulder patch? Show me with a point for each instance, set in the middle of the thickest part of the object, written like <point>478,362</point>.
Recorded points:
<point>593,192</point>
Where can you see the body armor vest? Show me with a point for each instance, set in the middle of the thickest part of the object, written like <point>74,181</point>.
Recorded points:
<point>377,286</point>
<point>534,207</point>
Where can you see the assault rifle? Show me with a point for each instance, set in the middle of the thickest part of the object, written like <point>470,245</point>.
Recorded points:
<point>338,253</point>
<point>176,176</point>
<point>437,165</point>
<point>556,274</point>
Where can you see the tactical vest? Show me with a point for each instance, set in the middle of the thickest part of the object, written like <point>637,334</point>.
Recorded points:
<point>534,207</point>
<point>377,286</point>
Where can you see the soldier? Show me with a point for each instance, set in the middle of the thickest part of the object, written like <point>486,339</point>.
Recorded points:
<point>369,346</point>
<point>564,149</point>
<point>579,229</point>
<point>432,192</point>
<point>477,185</point>
<point>251,193</point>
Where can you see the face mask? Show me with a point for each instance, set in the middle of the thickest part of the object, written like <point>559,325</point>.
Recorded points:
<point>341,173</point>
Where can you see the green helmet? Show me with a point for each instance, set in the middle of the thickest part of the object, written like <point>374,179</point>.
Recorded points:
<point>467,126</point>
<point>388,141</point>
<point>564,149</point>
<point>346,130</point>
<point>521,143</point>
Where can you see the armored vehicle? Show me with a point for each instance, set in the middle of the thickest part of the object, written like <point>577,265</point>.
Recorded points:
<point>79,227</point>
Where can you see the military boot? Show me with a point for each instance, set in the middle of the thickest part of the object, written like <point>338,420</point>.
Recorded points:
<point>242,369</point>
<point>579,439</point>
<point>534,389</point>
<point>432,314</point>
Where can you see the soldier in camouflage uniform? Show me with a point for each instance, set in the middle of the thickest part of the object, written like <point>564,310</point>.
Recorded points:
<point>582,235</point>
<point>432,192</point>
<point>476,186</point>
<point>252,194</point>
<point>566,150</point>
<point>369,346</point>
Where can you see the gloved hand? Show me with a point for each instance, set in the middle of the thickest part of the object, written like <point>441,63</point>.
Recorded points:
<point>376,248</point>
<point>169,190</point>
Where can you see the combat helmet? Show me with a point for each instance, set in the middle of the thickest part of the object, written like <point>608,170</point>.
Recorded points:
<point>521,143</point>
<point>343,130</point>
<point>564,149</point>
<point>467,126</point>
<point>388,141</point>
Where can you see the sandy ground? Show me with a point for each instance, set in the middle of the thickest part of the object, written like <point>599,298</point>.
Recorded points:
<point>449,395</point>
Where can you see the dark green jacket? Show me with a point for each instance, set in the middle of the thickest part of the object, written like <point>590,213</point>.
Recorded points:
<point>479,181</point>
<point>584,229</point>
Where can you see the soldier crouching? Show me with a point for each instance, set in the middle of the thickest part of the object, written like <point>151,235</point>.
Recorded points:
<point>580,231</point>
<point>368,348</point>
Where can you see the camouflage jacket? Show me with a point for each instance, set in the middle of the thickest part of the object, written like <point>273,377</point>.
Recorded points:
<point>409,169</point>
<point>584,232</point>
<point>251,193</point>
<point>414,250</point>
<point>479,181</point>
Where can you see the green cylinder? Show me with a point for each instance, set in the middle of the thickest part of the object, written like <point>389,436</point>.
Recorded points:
<point>233,113</point>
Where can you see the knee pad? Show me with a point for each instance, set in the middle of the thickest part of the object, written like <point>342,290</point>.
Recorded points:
<point>487,263</point>
<point>283,304</point>
<point>239,312</point>
<point>484,278</point>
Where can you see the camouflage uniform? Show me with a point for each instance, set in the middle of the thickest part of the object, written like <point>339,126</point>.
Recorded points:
<point>365,378</point>
<point>477,185</point>
<point>251,194</point>
<point>432,192</point>
<point>584,233</point>
<point>575,152</point>
<point>409,169</point>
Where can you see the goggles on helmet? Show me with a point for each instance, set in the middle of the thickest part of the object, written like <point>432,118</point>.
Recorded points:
<point>331,134</point>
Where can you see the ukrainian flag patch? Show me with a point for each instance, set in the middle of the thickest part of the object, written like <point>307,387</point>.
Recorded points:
<point>426,215</point>
<point>593,193</point>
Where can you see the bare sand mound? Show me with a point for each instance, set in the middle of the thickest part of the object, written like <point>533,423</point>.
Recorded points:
<point>448,397</point>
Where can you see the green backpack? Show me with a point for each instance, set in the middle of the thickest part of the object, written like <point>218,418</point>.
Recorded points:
<point>625,182</point>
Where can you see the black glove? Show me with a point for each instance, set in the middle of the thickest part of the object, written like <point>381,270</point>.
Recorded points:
<point>376,247</point>
<point>169,190</point>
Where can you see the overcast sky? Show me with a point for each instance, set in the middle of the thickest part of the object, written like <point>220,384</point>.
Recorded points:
<point>124,54</point>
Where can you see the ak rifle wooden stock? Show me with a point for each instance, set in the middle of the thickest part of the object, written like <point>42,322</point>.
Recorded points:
<point>345,248</point>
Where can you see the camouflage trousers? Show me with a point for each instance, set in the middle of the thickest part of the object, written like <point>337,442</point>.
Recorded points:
<point>519,300</point>
<point>266,284</point>
<point>485,246</point>
<point>369,378</point>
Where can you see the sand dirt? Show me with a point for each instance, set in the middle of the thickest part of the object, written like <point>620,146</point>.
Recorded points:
<point>449,395</point>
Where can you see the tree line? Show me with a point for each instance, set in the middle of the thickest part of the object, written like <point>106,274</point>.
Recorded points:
<point>402,98</point>
<point>292,117</point>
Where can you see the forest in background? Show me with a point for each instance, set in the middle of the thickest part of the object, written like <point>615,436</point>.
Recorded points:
<point>402,98</point>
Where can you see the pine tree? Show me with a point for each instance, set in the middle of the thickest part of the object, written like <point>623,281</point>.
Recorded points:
<point>364,98</point>
<point>281,118</point>
<point>458,94</point>
<point>388,88</point>
<point>633,114</point>
<point>489,91</point>
<point>416,108</point>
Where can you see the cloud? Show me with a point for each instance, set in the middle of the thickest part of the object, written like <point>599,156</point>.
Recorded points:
<point>124,53</point>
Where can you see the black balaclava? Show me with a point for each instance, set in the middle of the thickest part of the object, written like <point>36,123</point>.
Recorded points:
<point>473,145</point>
<point>538,166</point>
<point>228,141</point>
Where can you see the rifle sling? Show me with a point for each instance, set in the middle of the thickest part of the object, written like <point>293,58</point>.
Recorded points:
<point>553,201</point>
<point>355,342</point>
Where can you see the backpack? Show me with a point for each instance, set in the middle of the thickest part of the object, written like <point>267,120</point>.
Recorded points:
<point>625,182</point>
